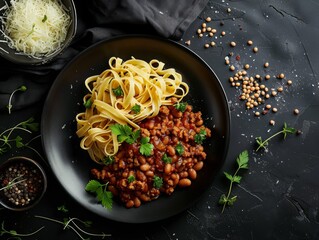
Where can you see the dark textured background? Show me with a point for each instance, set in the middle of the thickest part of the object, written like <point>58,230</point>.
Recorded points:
<point>278,197</point>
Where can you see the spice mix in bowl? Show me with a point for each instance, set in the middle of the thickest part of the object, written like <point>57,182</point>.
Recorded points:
<point>22,183</point>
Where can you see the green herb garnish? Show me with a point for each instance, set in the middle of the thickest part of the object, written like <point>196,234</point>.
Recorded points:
<point>131,179</point>
<point>200,137</point>
<point>14,234</point>
<point>124,133</point>
<point>62,208</point>
<point>6,139</point>
<point>285,130</point>
<point>146,147</point>
<point>181,106</point>
<point>32,30</point>
<point>242,162</point>
<point>118,91</point>
<point>136,109</point>
<point>44,18</point>
<point>157,182</point>
<point>166,159</point>
<point>108,160</point>
<point>179,149</point>
<point>22,89</point>
<point>102,195</point>
<point>87,103</point>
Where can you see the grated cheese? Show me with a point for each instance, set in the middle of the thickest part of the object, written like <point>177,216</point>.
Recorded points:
<point>36,27</point>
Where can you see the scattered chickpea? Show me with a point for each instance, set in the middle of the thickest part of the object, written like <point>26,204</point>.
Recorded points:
<point>281,76</point>
<point>206,45</point>
<point>275,110</point>
<point>232,68</point>
<point>296,111</point>
<point>268,106</point>
<point>208,19</point>
<point>213,44</point>
<point>255,49</point>
<point>223,33</point>
<point>257,114</point>
<point>267,77</point>
<point>266,64</point>
<point>289,82</point>
<point>280,89</point>
<point>246,66</point>
<point>250,42</point>
<point>232,44</point>
<point>272,122</point>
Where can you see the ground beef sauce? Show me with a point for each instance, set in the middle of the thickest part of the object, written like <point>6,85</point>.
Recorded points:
<point>168,129</point>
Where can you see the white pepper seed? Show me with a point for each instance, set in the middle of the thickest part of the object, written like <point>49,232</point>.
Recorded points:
<point>206,45</point>
<point>223,33</point>
<point>209,29</point>
<point>208,19</point>
<point>267,77</point>
<point>214,30</point>
<point>257,114</point>
<point>213,44</point>
<point>250,42</point>
<point>266,64</point>
<point>255,49</point>
<point>232,68</point>
<point>201,35</point>
<point>274,93</point>
<point>228,10</point>
<point>275,110</point>
<point>227,61</point>
<point>289,82</point>
<point>211,34</point>
<point>268,106</point>
<point>296,111</point>
<point>280,89</point>
<point>246,66</point>
<point>199,31</point>
<point>281,76</point>
<point>204,25</point>
<point>272,122</point>
<point>188,42</point>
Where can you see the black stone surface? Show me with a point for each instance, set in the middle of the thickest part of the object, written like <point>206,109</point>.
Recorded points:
<point>278,197</point>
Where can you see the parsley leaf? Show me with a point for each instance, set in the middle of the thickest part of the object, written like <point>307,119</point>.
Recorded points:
<point>181,106</point>
<point>131,179</point>
<point>136,108</point>
<point>157,182</point>
<point>103,196</point>
<point>118,91</point>
<point>125,134</point>
<point>44,18</point>
<point>200,137</point>
<point>108,160</point>
<point>87,103</point>
<point>62,209</point>
<point>146,147</point>
<point>166,159</point>
<point>179,149</point>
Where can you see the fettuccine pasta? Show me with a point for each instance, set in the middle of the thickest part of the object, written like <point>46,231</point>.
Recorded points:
<point>114,93</point>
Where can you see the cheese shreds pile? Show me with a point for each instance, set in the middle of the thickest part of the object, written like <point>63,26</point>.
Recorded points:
<point>36,27</point>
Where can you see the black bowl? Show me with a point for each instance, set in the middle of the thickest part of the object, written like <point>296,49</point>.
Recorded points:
<point>33,183</point>
<point>18,58</point>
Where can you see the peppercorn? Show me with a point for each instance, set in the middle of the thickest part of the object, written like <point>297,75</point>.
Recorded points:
<point>296,111</point>
<point>250,42</point>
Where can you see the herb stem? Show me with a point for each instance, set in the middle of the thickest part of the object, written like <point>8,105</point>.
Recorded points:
<point>230,188</point>
<point>87,233</point>
<point>267,140</point>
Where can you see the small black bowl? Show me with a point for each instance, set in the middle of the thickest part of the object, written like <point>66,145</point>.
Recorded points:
<point>18,58</point>
<point>30,183</point>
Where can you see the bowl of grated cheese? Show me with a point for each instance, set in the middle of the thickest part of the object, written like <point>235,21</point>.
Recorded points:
<point>34,32</point>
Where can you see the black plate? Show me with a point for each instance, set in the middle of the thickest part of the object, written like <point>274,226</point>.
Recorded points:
<point>72,165</point>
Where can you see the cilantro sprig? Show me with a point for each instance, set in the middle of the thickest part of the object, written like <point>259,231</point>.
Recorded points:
<point>21,89</point>
<point>136,109</point>
<point>102,195</point>
<point>157,182</point>
<point>200,137</point>
<point>146,147</point>
<point>118,92</point>
<point>285,131</point>
<point>179,148</point>
<point>166,159</point>
<point>131,179</point>
<point>124,133</point>
<point>242,162</point>
<point>181,106</point>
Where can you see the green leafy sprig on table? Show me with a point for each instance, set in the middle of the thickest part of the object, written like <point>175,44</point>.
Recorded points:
<point>13,182</point>
<point>242,162</point>
<point>14,234</point>
<point>102,195</point>
<point>285,131</point>
<point>7,141</point>
<point>22,89</point>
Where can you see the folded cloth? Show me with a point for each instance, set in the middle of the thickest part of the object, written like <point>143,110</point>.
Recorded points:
<point>98,20</point>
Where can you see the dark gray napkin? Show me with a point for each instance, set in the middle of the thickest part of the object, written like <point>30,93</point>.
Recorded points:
<point>98,20</point>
